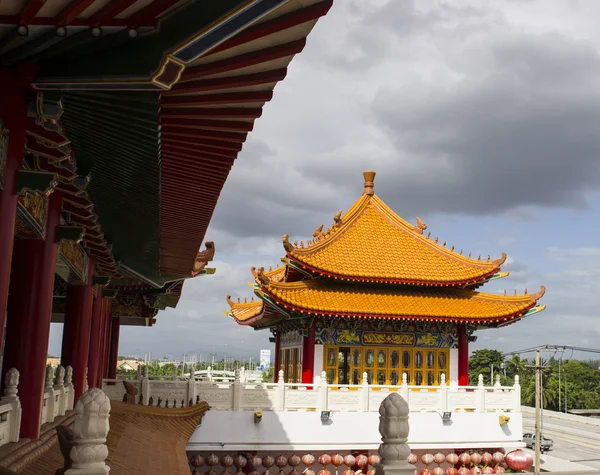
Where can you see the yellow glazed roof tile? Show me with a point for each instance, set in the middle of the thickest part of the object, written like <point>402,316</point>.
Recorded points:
<point>245,311</point>
<point>326,297</point>
<point>372,243</point>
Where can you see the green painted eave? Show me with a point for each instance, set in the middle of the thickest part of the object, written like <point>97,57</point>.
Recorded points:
<point>115,139</point>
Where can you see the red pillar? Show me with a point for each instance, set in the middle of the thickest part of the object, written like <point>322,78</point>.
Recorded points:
<point>463,356</point>
<point>276,368</point>
<point>308,355</point>
<point>13,113</point>
<point>115,327</point>
<point>95,339</point>
<point>107,338</point>
<point>76,330</point>
<point>29,312</point>
<point>102,348</point>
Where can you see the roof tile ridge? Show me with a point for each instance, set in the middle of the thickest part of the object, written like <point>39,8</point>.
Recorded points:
<point>533,298</point>
<point>334,232</point>
<point>404,225</point>
<point>243,305</point>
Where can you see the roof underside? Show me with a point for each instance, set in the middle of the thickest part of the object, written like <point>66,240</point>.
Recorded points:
<point>374,244</point>
<point>158,98</point>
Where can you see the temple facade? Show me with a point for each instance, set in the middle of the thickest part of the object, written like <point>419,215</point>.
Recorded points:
<point>376,295</point>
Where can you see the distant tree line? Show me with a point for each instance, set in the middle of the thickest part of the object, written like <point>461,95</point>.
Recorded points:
<point>579,386</point>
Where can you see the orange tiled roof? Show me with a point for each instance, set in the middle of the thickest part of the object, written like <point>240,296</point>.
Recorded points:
<point>372,243</point>
<point>245,312</point>
<point>326,297</point>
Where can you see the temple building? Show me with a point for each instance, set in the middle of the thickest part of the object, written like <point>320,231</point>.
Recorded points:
<point>374,294</point>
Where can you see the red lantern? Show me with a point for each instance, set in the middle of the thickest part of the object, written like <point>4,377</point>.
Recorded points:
<point>498,457</point>
<point>452,458</point>
<point>212,460</point>
<point>348,471</point>
<point>475,458</point>
<point>464,459</point>
<point>426,471</point>
<point>439,458</point>
<point>349,460</point>
<point>197,461</point>
<point>412,459</point>
<point>308,459</point>
<point>362,461</point>
<point>464,471</point>
<point>488,469</point>
<point>451,471</point>
<point>475,470</point>
<point>324,459</point>
<point>518,460</point>
<point>438,471</point>
<point>499,469</point>
<point>374,459</point>
<point>226,461</point>
<point>268,461</point>
<point>486,458</point>
<point>324,472</point>
<point>337,460</point>
<point>255,462</point>
<point>240,462</point>
<point>294,461</point>
<point>281,461</point>
<point>427,459</point>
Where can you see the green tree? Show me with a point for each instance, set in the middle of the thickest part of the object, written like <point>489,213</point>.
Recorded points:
<point>481,362</point>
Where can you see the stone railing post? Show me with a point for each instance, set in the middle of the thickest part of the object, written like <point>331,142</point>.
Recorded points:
<point>497,384</point>
<point>11,383</point>
<point>90,429</point>
<point>443,391</point>
<point>174,378</point>
<point>237,391</point>
<point>393,427</point>
<point>480,398</point>
<point>517,395</point>
<point>191,390</point>
<point>243,374</point>
<point>59,385</point>
<point>49,394</point>
<point>404,392</point>
<point>69,388</point>
<point>364,393</point>
<point>145,386</point>
<point>280,392</point>
<point>323,392</point>
<point>209,374</point>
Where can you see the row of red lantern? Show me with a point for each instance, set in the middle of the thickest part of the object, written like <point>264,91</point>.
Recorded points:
<point>473,462</point>
<point>281,461</point>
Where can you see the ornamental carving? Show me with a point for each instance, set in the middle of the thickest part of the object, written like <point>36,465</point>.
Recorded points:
<point>203,258</point>
<point>75,258</point>
<point>33,214</point>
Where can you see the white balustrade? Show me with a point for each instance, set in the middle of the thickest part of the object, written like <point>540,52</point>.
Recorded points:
<point>58,393</point>
<point>10,409</point>
<point>239,395</point>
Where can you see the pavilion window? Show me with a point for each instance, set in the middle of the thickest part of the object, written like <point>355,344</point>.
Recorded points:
<point>418,359</point>
<point>369,358</point>
<point>394,358</point>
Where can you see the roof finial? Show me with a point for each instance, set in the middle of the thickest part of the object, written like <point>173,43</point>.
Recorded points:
<point>369,182</point>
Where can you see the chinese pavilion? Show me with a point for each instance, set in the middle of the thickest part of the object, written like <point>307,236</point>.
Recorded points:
<point>119,123</point>
<point>374,294</point>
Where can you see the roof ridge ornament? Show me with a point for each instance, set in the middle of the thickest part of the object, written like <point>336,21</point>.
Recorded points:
<point>539,294</point>
<point>262,278</point>
<point>369,182</point>
<point>420,227</point>
<point>500,260</point>
<point>318,234</point>
<point>337,219</point>
<point>286,243</point>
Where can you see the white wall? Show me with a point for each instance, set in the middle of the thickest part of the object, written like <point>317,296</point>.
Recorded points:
<point>453,364</point>
<point>282,431</point>
<point>318,364</point>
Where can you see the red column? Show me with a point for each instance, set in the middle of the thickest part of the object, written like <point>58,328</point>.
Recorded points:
<point>106,350</point>
<point>115,327</point>
<point>76,330</point>
<point>102,347</point>
<point>95,337</point>
<point>13,113</point>
<point>463,356</point>
<point>276,368</point>
<point>308,355</point>
<point>29,312</point>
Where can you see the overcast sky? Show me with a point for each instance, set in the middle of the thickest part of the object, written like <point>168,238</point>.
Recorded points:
<point>480,117</point>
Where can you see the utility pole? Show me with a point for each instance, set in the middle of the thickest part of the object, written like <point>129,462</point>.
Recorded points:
<point>537,410</point>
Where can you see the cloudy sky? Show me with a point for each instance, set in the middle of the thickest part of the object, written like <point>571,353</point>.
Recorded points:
<point>480,117</point>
